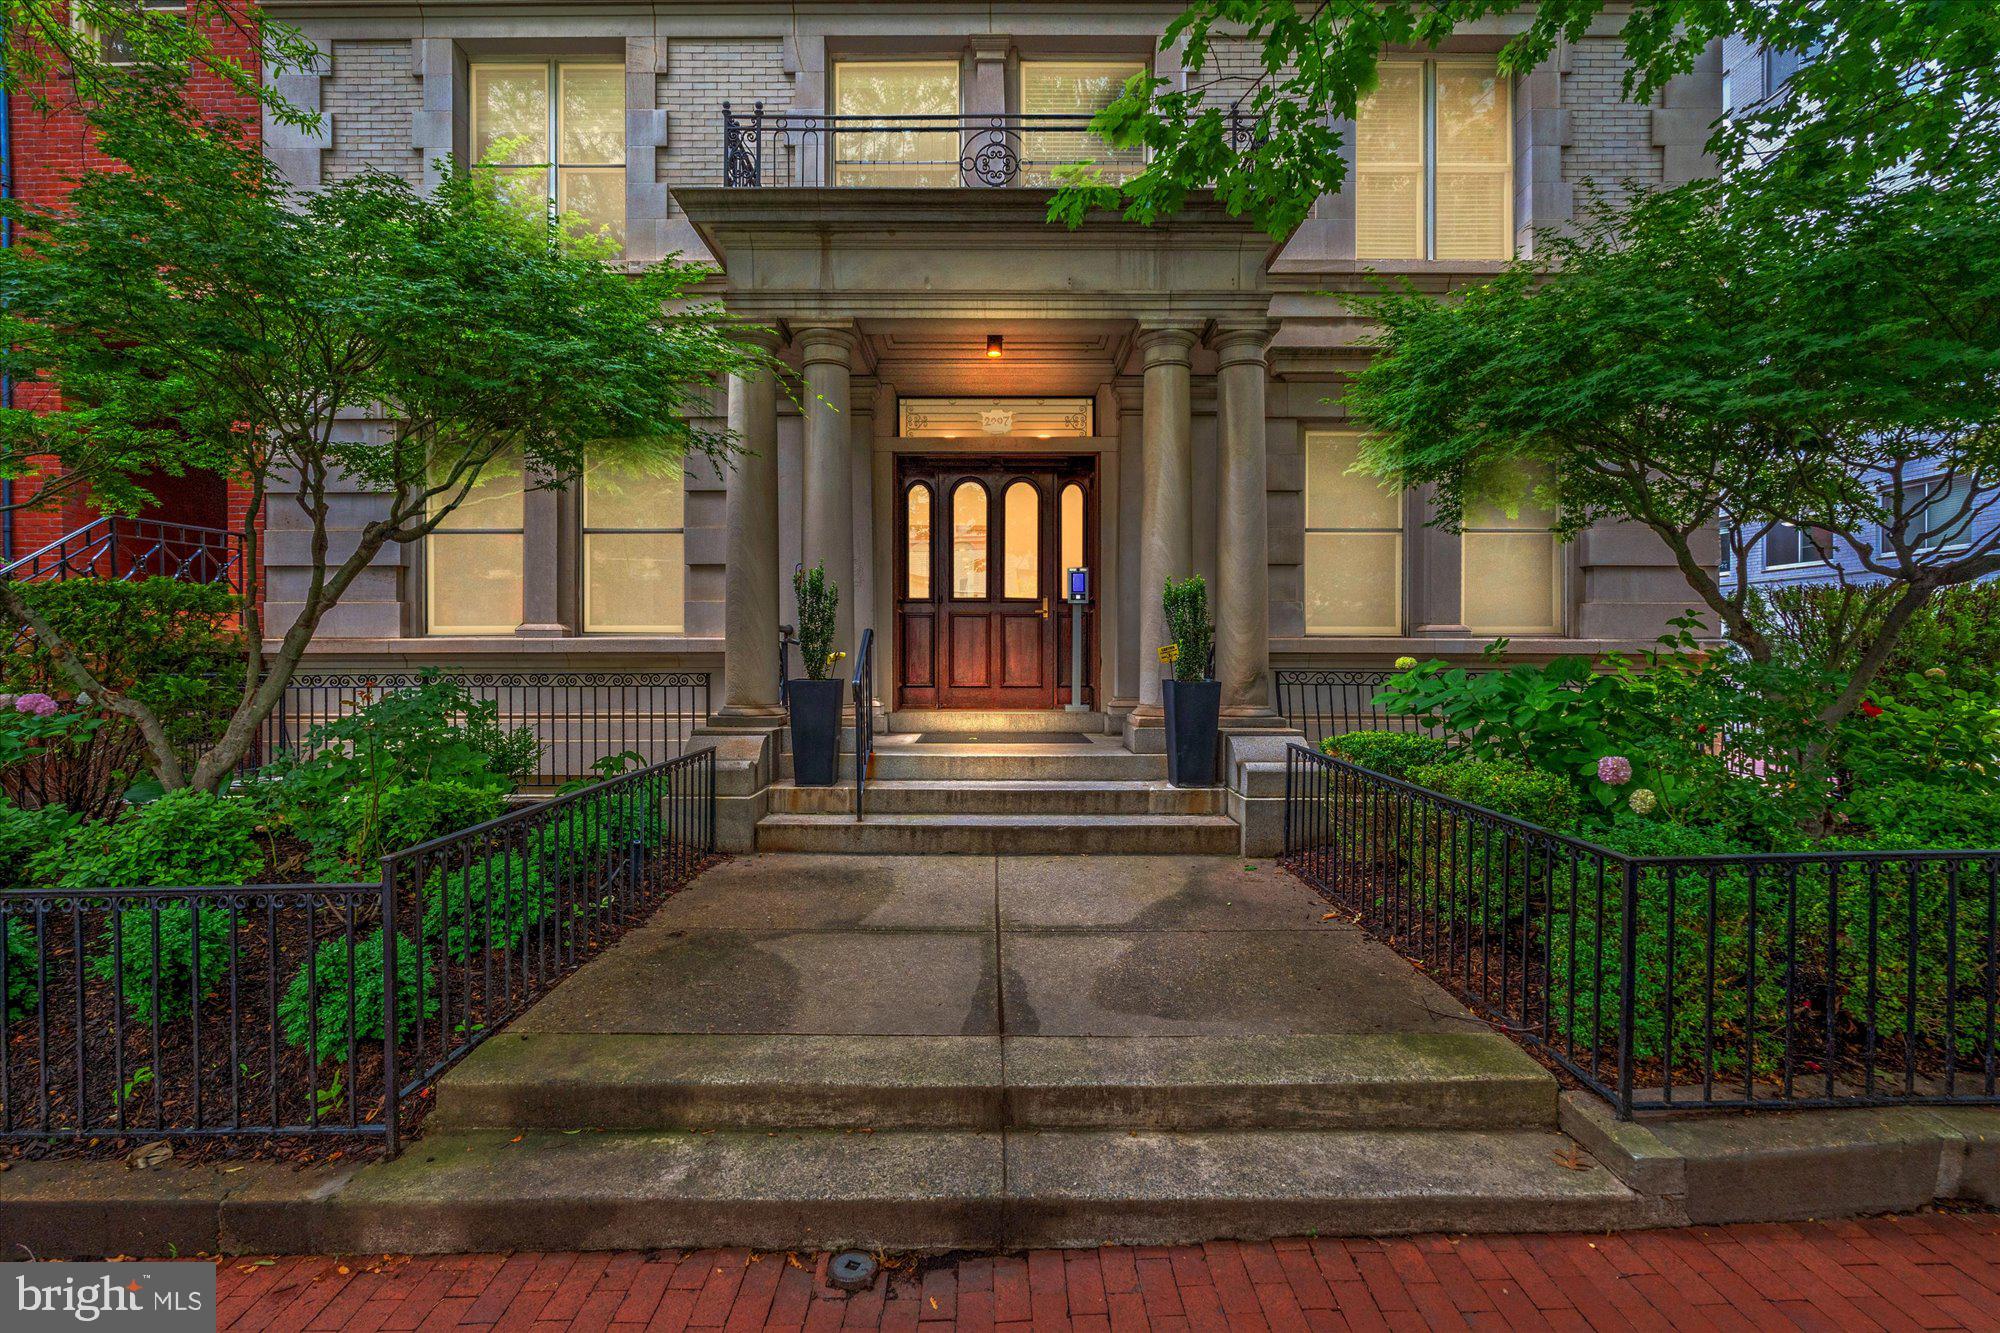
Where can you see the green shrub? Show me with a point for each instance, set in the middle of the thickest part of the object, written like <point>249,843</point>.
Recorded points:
<point>1957,631</point>
<point>351,833</point>
<point>23,974</point>
<point>323,1027</point>
<point>24,834</point>
<point>1905,815</point>
<point>491,904</point>
<point>1509,788</point>
<point>1189,626</point>
<point>1391,753</point>
<point>186,838</point>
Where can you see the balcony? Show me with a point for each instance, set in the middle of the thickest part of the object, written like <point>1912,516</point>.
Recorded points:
<point>813,149</point>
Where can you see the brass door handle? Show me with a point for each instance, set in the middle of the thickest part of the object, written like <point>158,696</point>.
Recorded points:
<point>1044,612</point>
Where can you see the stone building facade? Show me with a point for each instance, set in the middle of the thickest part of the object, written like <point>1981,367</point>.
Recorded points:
<point>983,400</point>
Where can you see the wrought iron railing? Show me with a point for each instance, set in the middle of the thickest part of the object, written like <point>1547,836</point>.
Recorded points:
<point>1757,982</point>
<point>260,1010</point>
<point>126,549</point>
<point>810,148</point>
<point>1333,702</point>
<point>580,717</point>
<point>864,716</point>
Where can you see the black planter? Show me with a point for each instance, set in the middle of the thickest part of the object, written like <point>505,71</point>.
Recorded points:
<point>1194,711</point>
<point>815,708</point>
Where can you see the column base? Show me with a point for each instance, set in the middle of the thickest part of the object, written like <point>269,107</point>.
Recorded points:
<point>1256,718</point>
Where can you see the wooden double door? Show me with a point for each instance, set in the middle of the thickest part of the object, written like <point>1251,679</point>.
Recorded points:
<point>983,544</point>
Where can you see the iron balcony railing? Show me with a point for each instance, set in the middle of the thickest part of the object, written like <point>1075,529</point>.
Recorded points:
<point>1746,982</point>
<point>128,549</point>
<point>810,149</point>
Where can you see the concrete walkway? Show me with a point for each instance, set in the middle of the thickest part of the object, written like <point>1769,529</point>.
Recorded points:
<point>990,946</point>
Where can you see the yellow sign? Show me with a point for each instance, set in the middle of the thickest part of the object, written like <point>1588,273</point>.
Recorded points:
<point>1170,652</point>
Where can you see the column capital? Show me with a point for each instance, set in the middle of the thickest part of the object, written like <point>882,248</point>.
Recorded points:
<point>1168,344</point>
<point>825,341</point>
<point>761,335</point>
<point>1237,341</point>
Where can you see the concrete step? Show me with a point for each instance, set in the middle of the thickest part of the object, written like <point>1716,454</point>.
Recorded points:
<point>1098,761</point>
<point>1001,835</point>
<point>963,721</point>
<point>498,1190</point>
<point>908,797</point>
<point>630,1081</point>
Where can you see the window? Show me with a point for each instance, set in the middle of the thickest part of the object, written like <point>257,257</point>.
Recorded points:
<point>1939,511</point>
<point>551,135</point>
<point>915,157</point>
<point>116,47</point>
<point>1787,547</point>
<point>968,541</point>
<point>1021,575</point>
<point>1078,89</point>
<point>1354,542</point>
<point>1433,163</point>
<point>1072,529</point>
<point>1726,564</point>
<point>634,550</point>
<point>473,558</point>
<point>1511,562</point>
<point>917,558</point>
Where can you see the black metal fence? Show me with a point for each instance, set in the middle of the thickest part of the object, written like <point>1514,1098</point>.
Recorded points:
<point>1749,982</point>
<point>261,1010</point>
<point>1333,702</point>
<point>125,549</point>
<point>579,716</point>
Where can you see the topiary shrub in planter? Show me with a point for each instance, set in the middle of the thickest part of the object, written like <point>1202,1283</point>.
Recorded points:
<point>1191,700</point>
<point>815,700</point>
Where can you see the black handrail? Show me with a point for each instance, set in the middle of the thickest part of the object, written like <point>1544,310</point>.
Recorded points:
<point>785,641</point>
<point>124,549</point>
<point>864,716</point>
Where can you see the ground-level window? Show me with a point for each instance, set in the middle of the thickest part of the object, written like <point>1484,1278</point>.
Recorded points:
<point>634,550</point>
<point>1433,162</point>
<point>919,153</point>
<point>1512,579</point>
<point>1354,542</point>
<point>551,134</point>
<point>1075,89</point>
<point>472,560</point>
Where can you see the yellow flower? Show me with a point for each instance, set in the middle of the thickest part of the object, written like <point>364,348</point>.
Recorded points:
<point>1405,663</point>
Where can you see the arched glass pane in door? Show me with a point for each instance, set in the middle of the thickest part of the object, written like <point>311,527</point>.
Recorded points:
<point>968,540</point>
<point>1022,576</point>
<point>1072,528</point>
<point>917,553</point>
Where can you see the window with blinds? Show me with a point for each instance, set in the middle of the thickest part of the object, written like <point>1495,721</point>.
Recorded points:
<point>1433,163</point>
<point>554,131</point>
<point>1511,568</point>
<point>472,560</point>
<point>634,550</point>
<point>1080,89</point>
<point>1354,542</point>
<point>920,153</point>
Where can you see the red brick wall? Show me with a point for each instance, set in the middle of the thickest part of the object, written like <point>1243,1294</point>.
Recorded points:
<point>52,148</point>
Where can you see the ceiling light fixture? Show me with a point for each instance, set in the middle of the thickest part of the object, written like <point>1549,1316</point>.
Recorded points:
<point>993,343</point>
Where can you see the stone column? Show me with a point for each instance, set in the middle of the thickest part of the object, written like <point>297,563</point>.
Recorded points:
<point>827,526</point>
<point>750,522</point>
<point>1166,524</point>
<point>1243,526</point>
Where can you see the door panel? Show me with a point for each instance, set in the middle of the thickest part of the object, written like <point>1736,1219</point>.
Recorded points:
<point>981,544</point>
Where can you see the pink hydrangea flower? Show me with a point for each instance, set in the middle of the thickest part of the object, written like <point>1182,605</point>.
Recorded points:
<point>41,705</point>
<point>1614,770</point>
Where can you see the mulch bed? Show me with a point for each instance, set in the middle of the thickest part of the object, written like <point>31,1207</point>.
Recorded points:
<point>226,1067</point>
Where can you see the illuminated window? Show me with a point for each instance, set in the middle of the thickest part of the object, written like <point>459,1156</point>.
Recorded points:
<point>926,153</point>
<point>473,558</point>
<point>968,541</point>
<point>917,578</point>
<point>1077,89</point>
<point>1072,526</point>
<point>1021,575</point>
<point>953,418</point>
<point>1433,163</point>
<point>1354,542</point>
<point>519,112</point>
<point>634,550</point>
<point>1512,568</point>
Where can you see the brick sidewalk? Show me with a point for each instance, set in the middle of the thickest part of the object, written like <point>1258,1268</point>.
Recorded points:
<point>1932,1271</point>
